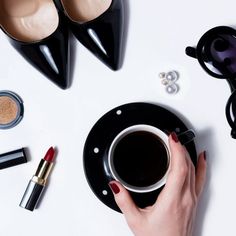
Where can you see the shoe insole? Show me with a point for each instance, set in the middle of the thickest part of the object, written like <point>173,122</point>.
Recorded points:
<point>28,20</point>
<point>85,10</point>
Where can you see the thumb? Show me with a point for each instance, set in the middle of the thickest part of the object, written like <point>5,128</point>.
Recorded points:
<point>124,201</point>
<point>201,173</point>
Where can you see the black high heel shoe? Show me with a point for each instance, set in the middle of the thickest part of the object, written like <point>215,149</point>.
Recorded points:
<point>37,31</point>
<point>98,26</point>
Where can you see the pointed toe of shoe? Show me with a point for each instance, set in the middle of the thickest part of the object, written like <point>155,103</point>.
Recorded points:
<point>53,62</point>
<point>106,45</point>
<point>49,56</point>
<point>51,59</point>
<point>62,80</point>
<point>113,63</point>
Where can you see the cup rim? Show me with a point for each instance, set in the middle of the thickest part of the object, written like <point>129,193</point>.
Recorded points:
<point>131,129</point>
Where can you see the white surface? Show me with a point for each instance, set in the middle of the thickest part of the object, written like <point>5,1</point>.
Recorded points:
<point>159,31</point>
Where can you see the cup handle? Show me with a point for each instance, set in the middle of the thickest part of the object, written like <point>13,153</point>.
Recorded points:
<point>186,136</point>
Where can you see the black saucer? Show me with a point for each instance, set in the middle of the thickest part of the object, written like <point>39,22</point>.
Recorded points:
<point>107,128</point>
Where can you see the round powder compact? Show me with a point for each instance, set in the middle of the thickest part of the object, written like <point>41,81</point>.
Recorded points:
<point>11,109</point>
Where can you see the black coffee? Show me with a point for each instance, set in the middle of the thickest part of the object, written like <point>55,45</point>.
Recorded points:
<point>140,159</point>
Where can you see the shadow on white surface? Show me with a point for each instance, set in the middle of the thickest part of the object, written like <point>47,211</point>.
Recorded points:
<point>72,57</point>
<point>126,30</point>
<point>205,140</point>
<point>28,154</point>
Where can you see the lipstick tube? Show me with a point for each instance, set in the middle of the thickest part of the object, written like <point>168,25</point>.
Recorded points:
<point>38,182</point>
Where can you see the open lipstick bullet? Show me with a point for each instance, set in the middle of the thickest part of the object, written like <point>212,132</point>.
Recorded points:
<point>38,182</point>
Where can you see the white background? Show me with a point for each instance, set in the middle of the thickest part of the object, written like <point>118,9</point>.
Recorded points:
<point>158,33</point>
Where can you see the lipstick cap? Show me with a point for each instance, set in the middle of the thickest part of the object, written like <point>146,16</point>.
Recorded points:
<point>31,196</point>
<point>12,158</point>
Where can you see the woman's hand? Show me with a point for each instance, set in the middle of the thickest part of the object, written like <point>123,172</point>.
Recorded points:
<point>174,211</point>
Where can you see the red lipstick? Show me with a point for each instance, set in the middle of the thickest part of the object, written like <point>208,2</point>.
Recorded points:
<point>49,155</point>
<point>38,182</point>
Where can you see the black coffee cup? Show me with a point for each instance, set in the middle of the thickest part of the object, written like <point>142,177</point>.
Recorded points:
<point>139,157</point>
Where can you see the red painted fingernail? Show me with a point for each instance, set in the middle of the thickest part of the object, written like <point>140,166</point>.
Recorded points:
<point>115,189</point>
<point>204,155</point>
<point>174,137</point>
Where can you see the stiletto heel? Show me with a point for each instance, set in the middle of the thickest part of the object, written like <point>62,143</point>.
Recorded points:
<point>37,31</point>
<point>99,26</point>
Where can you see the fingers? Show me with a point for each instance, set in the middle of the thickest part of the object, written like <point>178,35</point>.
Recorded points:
<point>179,169</point>
<point>192,175</point>
<point>124,201</point>
<point>201,173</point>
<point>193,179</point>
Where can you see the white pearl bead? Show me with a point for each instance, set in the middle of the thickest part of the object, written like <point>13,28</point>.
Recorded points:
<point>172,89</point>
<point>162,75</point>
<point>165,82</point>
<point>172,76</point>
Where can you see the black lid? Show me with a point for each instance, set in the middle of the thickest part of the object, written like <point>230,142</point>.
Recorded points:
<point>13,158</point>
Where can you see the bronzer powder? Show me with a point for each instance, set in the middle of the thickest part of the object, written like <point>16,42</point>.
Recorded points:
<point>8,110</point>
<point>11,109</point>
